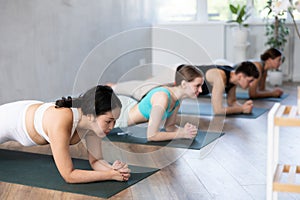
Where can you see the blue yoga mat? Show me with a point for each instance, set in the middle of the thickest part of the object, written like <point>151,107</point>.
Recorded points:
<point>138,135</point>
<point>207,110</point>
<point>245,96</point>
<point>39,170</point>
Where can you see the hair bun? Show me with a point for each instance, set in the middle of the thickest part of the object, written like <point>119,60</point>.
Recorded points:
<point>64,102</point>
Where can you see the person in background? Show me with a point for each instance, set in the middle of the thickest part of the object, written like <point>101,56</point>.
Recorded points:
<point>222,78</point>
<point>271,59</point>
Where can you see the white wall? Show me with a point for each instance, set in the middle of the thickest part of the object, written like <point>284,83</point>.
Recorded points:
<point>196,43</point>
<point>215,41</point>
<point>296,61</point>
<point>44,42</point>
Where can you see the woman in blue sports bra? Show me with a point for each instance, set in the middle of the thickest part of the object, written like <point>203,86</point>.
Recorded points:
<point>90,116</point>
<point>162,104</point>
<point>226,79</point>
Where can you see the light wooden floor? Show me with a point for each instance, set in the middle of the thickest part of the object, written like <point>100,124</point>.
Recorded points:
<point>234,167</point>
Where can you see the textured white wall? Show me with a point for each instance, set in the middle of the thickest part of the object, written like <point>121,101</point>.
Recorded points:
<point>215,42</point>
<point>195,43</point>
<point>296,63</point>
<point>44,42</point>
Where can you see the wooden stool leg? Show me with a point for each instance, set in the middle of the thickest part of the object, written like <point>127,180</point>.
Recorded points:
<point>272,142</point>
<point>275,156</point>
<point>270,160</point>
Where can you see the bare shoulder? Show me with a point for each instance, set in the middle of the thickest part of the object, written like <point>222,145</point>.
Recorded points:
<point>215,74</point>
<point>214,71</point>
<point>160,98</point>
<point>258,65</point>
<point>58,118</point>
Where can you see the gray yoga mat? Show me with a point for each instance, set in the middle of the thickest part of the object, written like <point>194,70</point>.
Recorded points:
<point>39,170</point>
<point>205,109</point>
<point>245,96</point>
<point>137,135</point>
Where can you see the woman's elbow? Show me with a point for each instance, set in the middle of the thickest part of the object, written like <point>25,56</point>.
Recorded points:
<point>219,111</point>
<point>253,94</point>
<point>68,178</point>
<point>152,138</point>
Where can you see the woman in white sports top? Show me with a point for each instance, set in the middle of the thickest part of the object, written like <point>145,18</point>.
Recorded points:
<point>90,116</point>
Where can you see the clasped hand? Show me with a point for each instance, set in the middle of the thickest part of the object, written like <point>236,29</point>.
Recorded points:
<point>123,172</point>
<point>277,92</point>
<point>247,106</point>
<point>189,131</point>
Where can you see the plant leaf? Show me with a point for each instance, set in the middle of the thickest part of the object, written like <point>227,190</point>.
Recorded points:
<point>233,9</point>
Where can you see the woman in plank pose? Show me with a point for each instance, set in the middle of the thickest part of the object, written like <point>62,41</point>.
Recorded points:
<point>226,79</point>
<point>271,59</point>
<point>90,116</point>
<point>160,105</point>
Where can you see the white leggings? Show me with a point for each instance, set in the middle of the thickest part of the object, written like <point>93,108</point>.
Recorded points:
<point>127,104</point>
<point>138,88</point>
<point>12,122</point>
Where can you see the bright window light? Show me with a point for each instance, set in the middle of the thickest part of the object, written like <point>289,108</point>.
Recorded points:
<point>218,10</point>
<point>175,10</point>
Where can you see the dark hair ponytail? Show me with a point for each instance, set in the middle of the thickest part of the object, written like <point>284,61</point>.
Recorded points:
<point>97,101</point>
<point>270,53</point>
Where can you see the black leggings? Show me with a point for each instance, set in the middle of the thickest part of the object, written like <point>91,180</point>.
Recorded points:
<point>205,89</point>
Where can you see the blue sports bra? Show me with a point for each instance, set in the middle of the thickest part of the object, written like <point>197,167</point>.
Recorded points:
<point>145,105</point>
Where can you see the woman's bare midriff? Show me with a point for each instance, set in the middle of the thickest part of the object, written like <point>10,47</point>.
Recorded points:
<point>135,116</point>
<point>29,121</point>
<point>34,135</point>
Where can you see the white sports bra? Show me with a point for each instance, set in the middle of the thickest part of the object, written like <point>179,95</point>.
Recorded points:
<point>38,119</point>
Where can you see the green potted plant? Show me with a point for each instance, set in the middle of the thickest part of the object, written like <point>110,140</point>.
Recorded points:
<point>276,29</point>
<point>277,33</point>
<point>241,15</point>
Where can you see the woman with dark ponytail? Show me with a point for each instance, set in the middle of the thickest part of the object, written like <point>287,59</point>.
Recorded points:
<point>271,59</point>
<point>90,116</point>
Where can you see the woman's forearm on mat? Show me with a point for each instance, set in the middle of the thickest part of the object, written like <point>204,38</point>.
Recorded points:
<point>162,136</point>
<point>85,176</point>
<point>101,165</point>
